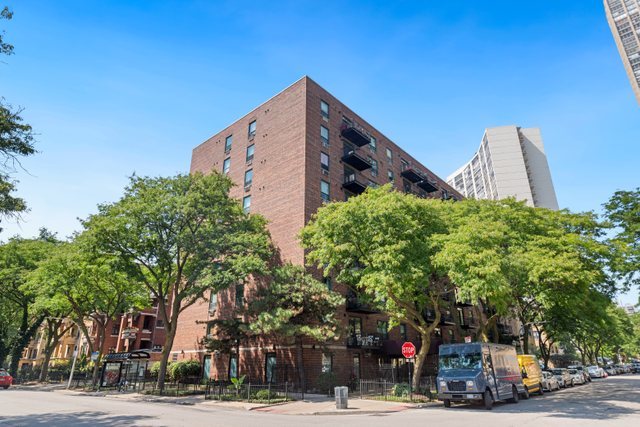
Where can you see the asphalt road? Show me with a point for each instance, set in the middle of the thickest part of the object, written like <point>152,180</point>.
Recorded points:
<point>614,401</point>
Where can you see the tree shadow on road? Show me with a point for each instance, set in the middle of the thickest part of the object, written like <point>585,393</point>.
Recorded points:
<point>82,418</point>
<point>606,400</point>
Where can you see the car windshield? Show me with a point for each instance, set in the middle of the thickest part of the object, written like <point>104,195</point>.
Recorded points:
<point>557,371</point>
<point>573,371</point>
<point>461,360</point>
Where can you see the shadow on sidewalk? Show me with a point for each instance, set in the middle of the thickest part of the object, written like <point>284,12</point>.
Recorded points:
<point>87,418</point>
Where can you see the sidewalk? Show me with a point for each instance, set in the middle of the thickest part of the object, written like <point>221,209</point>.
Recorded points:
<point>313,404</point>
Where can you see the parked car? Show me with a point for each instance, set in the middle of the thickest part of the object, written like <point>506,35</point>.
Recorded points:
<point>563,376</point>
<point>635,368</point>
<point>479,372</point>
<point>531,373</point>
<point>583,371</point>
<point>610,370</point>
<point>576,376</point>
<point>5,379</point>
<point>549,381</point>
<point>595,372</point>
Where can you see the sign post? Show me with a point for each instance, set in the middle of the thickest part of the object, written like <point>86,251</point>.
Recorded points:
<point>409,352</point>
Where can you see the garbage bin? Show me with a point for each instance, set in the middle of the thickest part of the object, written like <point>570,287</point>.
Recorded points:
<point>342,397</point>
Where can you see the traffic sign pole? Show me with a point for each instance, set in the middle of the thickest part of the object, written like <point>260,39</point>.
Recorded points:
<point>409,352</point>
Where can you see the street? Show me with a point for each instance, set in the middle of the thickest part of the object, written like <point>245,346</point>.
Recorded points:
<point>614,401</point>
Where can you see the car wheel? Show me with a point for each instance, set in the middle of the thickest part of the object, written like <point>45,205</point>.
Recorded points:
<point>541,391</point>
<point>488,400</point>
<point>447,403</point>
<point>525,395</point>
<point>515,396</point>
<point>572,383</point>
<point>5,387</point>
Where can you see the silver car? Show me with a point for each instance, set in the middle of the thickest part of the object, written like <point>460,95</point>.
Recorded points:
<point>563,376</point>
<point>576,376</point>
<point>595,372</point>
<point>549,381</point>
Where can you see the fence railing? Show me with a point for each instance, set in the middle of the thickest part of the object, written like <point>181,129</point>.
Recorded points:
<point>391,390</point>
<point>251,392</point>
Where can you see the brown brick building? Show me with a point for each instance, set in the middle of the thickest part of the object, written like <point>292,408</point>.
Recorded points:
<point>301,148</point>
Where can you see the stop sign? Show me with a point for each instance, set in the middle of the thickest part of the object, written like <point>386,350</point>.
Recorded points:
<point>408,350</point>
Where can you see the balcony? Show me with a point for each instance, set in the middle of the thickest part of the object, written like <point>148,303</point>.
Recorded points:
<point>355,134</point>
<point>356,305</point>
<point>428,186</point>
<point>352,184</point>
<point>412,175</point>
<point>356,161</point>
<point>369,341</point>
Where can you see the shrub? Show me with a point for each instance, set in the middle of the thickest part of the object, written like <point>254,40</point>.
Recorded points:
<point>326,382</point>
<point>400,390</point>
<point>155,369</point>
<point>184,369</point>
<point>265,395</point>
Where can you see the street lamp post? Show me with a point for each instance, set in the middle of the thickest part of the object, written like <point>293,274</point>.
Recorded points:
<point>75,356</point>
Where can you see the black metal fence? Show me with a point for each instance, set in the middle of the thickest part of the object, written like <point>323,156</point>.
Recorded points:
<point>252,392</point>
<point>396,390</point>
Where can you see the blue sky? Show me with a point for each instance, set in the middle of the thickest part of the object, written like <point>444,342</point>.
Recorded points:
<point>123,86</point>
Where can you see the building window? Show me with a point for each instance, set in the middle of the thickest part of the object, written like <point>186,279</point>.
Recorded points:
<point>327,363</point>
<point>324,191</point>
<point>324,110</point>
<point>239,294</point>
<point>356,367</point>
<point>246,204</point>
<point>252,129</point>
<point>248,178</point>
<point>157,348</point>
<point>226,165</point>
<point>403,332</point>
<point>159,323</point>
<point>174,357</point>
<point>404,165</point>
<point>213,302</point>
<point>406,185</point>
<point>373,145</point>
<point>210,327</point>
<point>452,338</point>
<point>233,366</point>
<point>324,136</point>
<point>147,323</point>
<point>389,156</point>
<point>270,367</point>
<point>115,329</point>
<point>390,175</point>
<point>324,161</point>
<point>383,328</point>
<point>250,150</point>
<point>374,166</point>
<point>227,143</point>
<point>355,326</point>
<point>328,283</point>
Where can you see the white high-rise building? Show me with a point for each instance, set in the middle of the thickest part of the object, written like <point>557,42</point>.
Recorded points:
<point>510,162</point>
<point>624,20</point>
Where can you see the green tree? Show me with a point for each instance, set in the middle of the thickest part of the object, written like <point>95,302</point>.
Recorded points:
<point>93,285</point>
<point>18,258</point>
<point>181,236</point>
<point>522,260</point>
<point>16,140</point>
<point>623,212</point>
<point>382,243</point>
<point>295,306</point>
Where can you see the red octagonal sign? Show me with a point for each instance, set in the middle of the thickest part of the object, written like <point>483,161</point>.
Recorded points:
<point>408,350</point>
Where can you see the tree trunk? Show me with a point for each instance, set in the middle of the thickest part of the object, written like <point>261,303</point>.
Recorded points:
<point>48,349</point>
<point>299,362</point>
<point>525,339</point>
<point>25,333</point>
<point>166,350</point>
<point>420,359</point>
<point>101,338</point>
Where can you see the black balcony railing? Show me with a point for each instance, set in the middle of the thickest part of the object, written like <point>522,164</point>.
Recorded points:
<point>351,184</point>
<point>412,175</point>
<point>365,341</point>
<point>354,160</point>
<point>355,304</point>
<point>355,134</point>
<point>428,186</point>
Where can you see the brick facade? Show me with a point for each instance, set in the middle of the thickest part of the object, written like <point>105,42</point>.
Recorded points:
<point>286,189</point>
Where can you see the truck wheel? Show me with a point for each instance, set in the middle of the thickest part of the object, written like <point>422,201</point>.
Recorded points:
<point>516,396</point>
<point>525,395</point>
<point>541,391</point>
<point>447,403</point>
<point>488,400</point>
